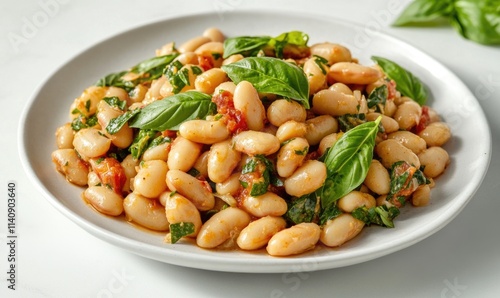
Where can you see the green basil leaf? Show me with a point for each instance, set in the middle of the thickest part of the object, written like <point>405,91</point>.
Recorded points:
<point>425,12</point>
<point>259,188</point>
<point>83,122</point>
<point>302,209</point>
<point>114,101</point>
<point>347,162</point>
<point>377,98</point>
<point>349,121</point>
<point>153,68</point>
<point>271,75</point>
<point>172,111</point>
<point>115,80</point>
<point>296,38</point>
<point>245,45</point>
<point>328,213</point>
<point>117,123</point>
<point>380,215</point>
<point>478,20</point>
<point>179,230</point>
<point>406,83</point>
<point>141,142</point>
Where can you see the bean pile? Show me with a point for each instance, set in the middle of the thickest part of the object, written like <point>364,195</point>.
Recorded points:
<point>209,141</point>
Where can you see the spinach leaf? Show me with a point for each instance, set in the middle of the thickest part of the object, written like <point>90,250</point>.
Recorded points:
<point>266,175</point>
<point>115,80</point>
<point>406,83</point>
<point>141,142</point>
<point>302,209</point>
<point>380,215</point>
<point>115,102</point>
<point>347,162</point>
<point>179,230</point>
<point>405,179</point>
<point>171,111</point>
<point>271,75</point>
<point>425,12</point>
<point>117,123</point>
<point>296,38</point>
<point>245,45</point>
<point>328,213</point>
<point>377,98</point>
<point>81,121</point>
<point>349,121</point>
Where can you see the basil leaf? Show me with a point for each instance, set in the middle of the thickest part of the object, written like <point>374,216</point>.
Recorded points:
<point>380,215</point>
<point>114,101</point>
<point>296,38</point>
<point>328,213</point>
<point>141,142</point>
<point>377,98</point>
<point>245,45</point>
<point>478,21</point>
<point>347,162</point>
<point>117,123</point>
<point>425,12</point>
<point>406,83</point>
<point>349,121</point>
<point>302,209</point>
<point>271,75</point>
<point>152,68</point>
<point>81,121</point>
<point>179,230</point>
<point>170,112</point>
<point>115,80</point>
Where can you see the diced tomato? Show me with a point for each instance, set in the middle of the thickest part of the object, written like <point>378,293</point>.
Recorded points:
<point>169,133</point>
<point>206,62</point>
<point>425,119</point>
<point>110,172</point>
<point>234,119</point>
<point>391,90</point>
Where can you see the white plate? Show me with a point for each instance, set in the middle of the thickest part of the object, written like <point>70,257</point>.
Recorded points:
<point>470,148</point>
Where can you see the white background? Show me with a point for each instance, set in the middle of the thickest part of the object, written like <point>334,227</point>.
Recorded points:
<point>58,259</point>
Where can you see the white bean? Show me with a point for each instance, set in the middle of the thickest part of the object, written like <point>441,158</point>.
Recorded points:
<point>214,34</point>
<point>294,240</point>
<point>183,154</point>
<point>104,200</point>
<point>71,166</point>
<point>341,229</point>
<point>306,179</point>
<point>193,44</point>
<point>408,114</point>
<point>334,103</point>
<point>353,73</point>
<point>436,134</point>
<point>230,186</point>
<point>247,101</point>
<point>319,127</point>
<point>222,226</point>
<point>332,52</point>
<point>421,196</point>
<point>391,151</point>
<point>196,191</point>
<point>291,129</point>
<point>434,160</point>
<point>264,205</point>
<point>204,131</point>
<point>409,140</point>
<point>256,142</point>
<point>283,110</point>
<point>89,142</point>
<point>291,155</point>
<point>159,152</point>
<point>222,160</point>
<point>146,212</point>
<point>327,142</point>
<point>388,123</point>
<point>179,209</point>
<point>64,136</point>
<point>258,233</point>
<point>356,199</point>
<point>209,80</point>
<point>378,179</point>
<point>150,179</point>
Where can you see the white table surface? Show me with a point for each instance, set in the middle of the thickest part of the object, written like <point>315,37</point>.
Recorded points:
<point>56,258</point>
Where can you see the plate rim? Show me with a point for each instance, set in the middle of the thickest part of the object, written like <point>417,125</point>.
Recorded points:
<point>279,265</point>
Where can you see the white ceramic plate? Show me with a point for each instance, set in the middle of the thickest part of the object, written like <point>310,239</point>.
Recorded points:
<point>470,148</point>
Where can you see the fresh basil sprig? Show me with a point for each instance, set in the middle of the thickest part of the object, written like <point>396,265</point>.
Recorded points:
<point>252,45</point>
<point>406,83</point>
<point>170,112</point>
<point>271,75</point>
<point>477,20</point>
<point>347,162</point>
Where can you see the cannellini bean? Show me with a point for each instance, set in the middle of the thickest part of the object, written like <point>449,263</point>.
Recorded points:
<point>137,94</point>
<point>291,129</point>
<point>316,74</point>
<point>204,131</point>
<point>222,160</point>
<point>196,191</point>
<point>408,114</point>
<point>124,137</point>
<point>283,110</point>
<point>230,186</point>
<point>226,86</point>
<point>209,80</point>
<point>353,73</point>
<point>332,52</point>
<point>153,92</point>
<point>327,142</point>
<point>341,229</point>
<point>166,49</point>
<point>390,108</point>
<point>247,101</point>
<point>150,179</point>
<point>232,59</point>
<point>183,154</point>
<point>146,212</point>
<point>378,179</point>
<point>90,142</point>
<point>187,58</point>
<point>434,160</point>
<point>433,115</point>
<point>294,240</point>
<point>104,200</point>
<point>129,164</point>
<point>306,179</point>
<point>319,127</point>
<point>256,142</point>
<point>64,136</point>
<point>341,88</point>
<point>334,103</point>
<point>436,134</point>
<point>201,164</point>
<point>388,123</point>
<point>391,151</point>
<point>86,103</point>
<point>212,50</point>
<point>93,179</point>
<point>356,199</point>
<point>193,44</point>
<point>214,34</point>
<point>264,205</point>
<point>118,92</point>
<point>179,209</point>
<point>258,233</point>
<point>291,155</point>
<point>70,165</point>
<point>421,196</point>
<point>222,226</point>
<point>157,152</point>
<point>409,140</point>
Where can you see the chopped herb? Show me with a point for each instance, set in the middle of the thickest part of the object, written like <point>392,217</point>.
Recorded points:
<point>179,230</point>
<point>115,102</point>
